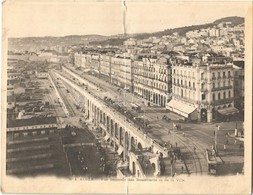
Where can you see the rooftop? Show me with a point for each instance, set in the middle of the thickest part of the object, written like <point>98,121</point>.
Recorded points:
<point>31,121</point>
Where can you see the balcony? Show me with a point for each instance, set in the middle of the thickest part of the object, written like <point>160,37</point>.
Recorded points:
<point>184,99</point>
<point>203,79</point>
<point>222,88</point>
<point>204,90</point>
<point>223,101</point>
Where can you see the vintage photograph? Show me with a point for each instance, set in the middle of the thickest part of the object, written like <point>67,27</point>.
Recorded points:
<point>124,90</point>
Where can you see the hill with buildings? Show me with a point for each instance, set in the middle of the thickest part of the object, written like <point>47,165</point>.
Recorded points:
<point>235,20</point>
<point>38,43</point>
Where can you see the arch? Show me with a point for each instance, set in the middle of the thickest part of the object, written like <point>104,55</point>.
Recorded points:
<point>154,167</point>
<point>116,131</point>
<point>203,115</point>
<point>139,146</point>
<point>120,135</point>
<point>112,128</point>
<point>132,143</point>
<point>126,140</point>
<point>134,169</point>
<point>107,123</point>
<point>214,113</point>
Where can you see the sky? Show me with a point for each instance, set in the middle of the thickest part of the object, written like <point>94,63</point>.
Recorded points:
<point>60,18</point>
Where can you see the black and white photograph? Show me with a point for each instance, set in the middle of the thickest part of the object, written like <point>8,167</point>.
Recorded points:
<point>127,91</point>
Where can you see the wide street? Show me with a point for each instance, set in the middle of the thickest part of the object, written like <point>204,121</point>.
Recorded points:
<point>193,138</point>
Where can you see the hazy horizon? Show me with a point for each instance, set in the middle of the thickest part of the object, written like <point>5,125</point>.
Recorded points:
<point>106,18</point>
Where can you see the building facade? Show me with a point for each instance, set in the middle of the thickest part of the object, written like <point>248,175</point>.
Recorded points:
<point>152,80</point>
<point>202,92</point>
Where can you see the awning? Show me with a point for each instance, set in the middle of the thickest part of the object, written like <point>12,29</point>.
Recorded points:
<point>106,137</point>
<point>228,111</point>
<point>181,108</point>
<point>120,150</point>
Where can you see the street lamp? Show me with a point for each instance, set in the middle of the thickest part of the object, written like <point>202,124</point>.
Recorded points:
<point>217,128</point>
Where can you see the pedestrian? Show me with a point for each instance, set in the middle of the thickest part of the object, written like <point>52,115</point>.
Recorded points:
<point>224,147</point>
<point>227,142</point>
<point>182,169</point>
<point>176,144</point>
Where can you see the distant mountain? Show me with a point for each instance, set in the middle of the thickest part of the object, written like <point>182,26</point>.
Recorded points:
<point>32,43</point>
<point>235,20</point>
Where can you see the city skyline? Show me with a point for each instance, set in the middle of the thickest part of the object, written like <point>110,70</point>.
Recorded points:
<point>83,20</point>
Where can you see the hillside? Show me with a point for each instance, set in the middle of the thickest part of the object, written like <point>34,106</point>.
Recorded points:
<point>29,43</point>
<point>181,30</point>
<point>32,43</point>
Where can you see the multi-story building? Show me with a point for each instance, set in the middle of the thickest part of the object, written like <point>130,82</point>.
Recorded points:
<point>115,70</point>
<point>239,86</point>
<point>152,80</point>
<point>202,91</point>
<point>80,60</point>
<point>95,64</point>
<point>105,67</point>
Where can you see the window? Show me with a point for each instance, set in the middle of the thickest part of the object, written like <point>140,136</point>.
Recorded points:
<point>213,85</point>
<point>182,93</point>
<point>189,84</point>
<point>202,75</point>
<point>185,83</point>
<point>203,96</point>
<point>229,83</point>
<point>236,73</point>
<point>213,75</point>
<point>229,94</point>
<point>174,80</point>
<point>218,84</point>
<point>224,83</point>
<point>181,82</point>
<point>193,85</point>
<point>224,74</point>
<point>218,74</point>
<point>229,73</point>
<point>218,96</point>
<point>213,96</point>
<point>177,81</point>
<point>224,95</point>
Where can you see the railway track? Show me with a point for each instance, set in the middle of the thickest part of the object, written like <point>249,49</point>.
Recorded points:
<point>197,154</point>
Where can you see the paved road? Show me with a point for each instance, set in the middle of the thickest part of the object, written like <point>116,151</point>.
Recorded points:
<point>198,137</point>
